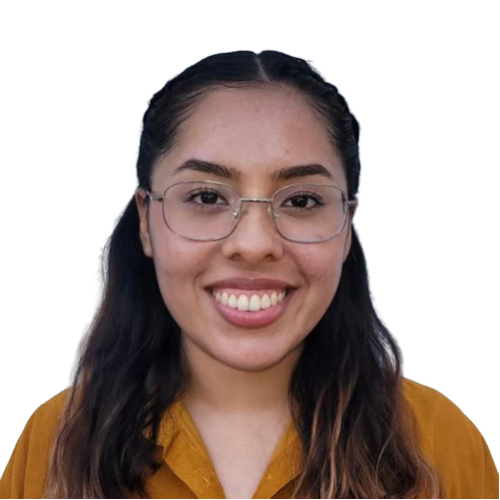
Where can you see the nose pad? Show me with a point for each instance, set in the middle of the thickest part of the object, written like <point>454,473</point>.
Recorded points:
<point>270,211</point>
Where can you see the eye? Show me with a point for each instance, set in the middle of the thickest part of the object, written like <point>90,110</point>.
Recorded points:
<point>305,200</point>
<point>206,197</point>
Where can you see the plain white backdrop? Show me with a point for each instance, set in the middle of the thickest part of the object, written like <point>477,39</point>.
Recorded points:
<point>422,79</point>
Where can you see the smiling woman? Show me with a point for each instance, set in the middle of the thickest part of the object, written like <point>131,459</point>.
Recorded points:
<point>236,352</point>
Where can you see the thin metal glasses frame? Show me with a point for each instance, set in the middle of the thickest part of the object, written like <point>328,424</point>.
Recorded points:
<point>349,205</point>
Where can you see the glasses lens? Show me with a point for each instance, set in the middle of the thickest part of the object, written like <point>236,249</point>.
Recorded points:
<point>204,210</point>
<point>309,212</point>
<point>200,210</point>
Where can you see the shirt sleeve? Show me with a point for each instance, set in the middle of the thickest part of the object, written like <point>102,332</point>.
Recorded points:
<point>13,478</point>
<point>490,473</point>
<point>452,443</point>
<point>24,476</point>
<point>461,454</point>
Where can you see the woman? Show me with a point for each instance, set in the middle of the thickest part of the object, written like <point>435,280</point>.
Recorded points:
<point>236,352</point>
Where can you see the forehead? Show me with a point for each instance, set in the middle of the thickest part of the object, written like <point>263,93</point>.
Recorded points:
<point>254,133</point>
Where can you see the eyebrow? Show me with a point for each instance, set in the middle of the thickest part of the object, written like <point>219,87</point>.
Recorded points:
<point>282,174</point>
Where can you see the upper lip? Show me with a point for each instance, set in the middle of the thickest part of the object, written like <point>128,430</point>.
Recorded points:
<point>245,283</point>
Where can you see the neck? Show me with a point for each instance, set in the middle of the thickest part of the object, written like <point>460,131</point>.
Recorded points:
<point>220,389</point>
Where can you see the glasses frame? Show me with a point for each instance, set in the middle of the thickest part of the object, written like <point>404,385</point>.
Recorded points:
<point>349,206</point>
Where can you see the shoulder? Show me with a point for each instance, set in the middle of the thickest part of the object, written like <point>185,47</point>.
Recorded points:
<point>432,405</point>
<point>51,409</point>
<point>452,443</point>
<point>53,406</point>
<point>25,473</point>
<point>438,417</point>
<point>43,421</point>
<point>439,420</point>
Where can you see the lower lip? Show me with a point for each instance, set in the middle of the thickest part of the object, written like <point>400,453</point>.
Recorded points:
<point>252,319</point>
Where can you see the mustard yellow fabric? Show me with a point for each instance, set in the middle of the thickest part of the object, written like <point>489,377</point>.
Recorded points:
<point>448,438</point>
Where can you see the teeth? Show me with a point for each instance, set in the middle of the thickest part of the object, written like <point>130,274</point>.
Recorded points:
<point>265,302</point>
<point>243,303</point>
<point>232,301</point>
<point>254,303</point>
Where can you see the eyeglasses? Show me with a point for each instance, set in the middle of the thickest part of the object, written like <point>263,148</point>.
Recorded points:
<point>210,210</point>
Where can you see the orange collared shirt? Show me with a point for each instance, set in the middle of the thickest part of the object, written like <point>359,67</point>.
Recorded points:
<point>451,442</point>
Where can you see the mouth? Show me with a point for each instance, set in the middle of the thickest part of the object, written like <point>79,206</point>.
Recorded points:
<point>249,300</point>
<point>251,309</point>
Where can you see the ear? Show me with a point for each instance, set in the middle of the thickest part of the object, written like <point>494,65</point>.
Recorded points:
<point>142,207</point>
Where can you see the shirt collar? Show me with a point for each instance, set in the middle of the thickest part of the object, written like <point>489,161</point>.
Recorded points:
<point>186,455</point>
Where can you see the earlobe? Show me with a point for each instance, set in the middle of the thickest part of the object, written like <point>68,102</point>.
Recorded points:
<point>144,234</point>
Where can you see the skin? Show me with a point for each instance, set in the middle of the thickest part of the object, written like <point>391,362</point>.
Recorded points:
<point>236,371</point>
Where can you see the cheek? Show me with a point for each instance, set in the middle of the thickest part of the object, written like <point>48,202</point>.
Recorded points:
<point>178,263</point>
<point>322,268</point>
<point>323,263</point>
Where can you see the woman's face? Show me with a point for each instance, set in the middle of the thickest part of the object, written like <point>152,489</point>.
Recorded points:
<point>255,132</point>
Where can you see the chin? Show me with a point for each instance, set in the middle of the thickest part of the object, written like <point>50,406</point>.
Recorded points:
<point>256,358</point>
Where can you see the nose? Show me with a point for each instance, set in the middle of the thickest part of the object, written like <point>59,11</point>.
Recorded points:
<point>255,238</point>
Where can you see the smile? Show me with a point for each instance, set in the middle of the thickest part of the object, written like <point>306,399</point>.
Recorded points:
<point>250,301</point>
<point>246,317</point>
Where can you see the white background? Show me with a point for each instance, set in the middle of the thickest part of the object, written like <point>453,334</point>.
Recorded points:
<point>422,78</point>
